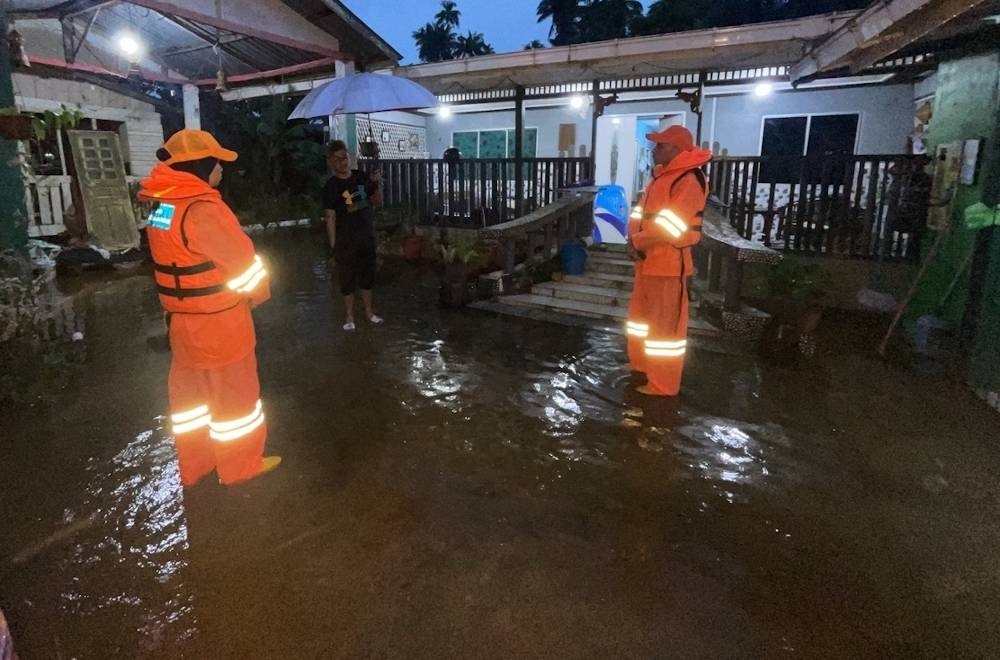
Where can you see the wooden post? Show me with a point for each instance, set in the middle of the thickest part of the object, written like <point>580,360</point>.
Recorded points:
<point>13,216</point>
<point>734,283</point>
<point>519,151</point>
<point>595,108</point>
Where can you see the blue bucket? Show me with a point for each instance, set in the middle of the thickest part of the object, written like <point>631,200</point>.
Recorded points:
<point>574,258</point>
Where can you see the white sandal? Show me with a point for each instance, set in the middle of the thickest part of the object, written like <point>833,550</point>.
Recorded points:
<point>349,326</point>
<point>376,319</point>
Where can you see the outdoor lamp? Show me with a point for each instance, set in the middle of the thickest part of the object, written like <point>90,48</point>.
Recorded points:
<point>444,112</point>
<point>763,89</point>
<point>576,102</point>
<point>128,45</point>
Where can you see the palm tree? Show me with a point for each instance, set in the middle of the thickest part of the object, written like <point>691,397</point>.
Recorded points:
<point>471,45</point>
<point>448,15</point>
<point>565,16</point>
<point>609,19</point>
<point>533,44</point>
<point>435,42</point>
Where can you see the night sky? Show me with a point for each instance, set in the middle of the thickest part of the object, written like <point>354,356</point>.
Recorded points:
<point>507,24</point>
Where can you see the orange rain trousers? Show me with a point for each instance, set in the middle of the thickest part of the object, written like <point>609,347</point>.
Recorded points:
<point>658,311</point>
<point>232,395</point>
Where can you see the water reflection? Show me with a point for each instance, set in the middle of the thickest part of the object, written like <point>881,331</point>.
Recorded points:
<point>729,451</point>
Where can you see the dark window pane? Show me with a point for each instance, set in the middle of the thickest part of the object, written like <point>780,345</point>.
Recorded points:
<point>832,135</point>
<point>781,148</point>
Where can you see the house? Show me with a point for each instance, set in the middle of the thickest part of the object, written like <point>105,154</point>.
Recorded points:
<point>138,69</point>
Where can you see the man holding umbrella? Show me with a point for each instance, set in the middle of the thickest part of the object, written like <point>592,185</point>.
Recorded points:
<point>348,199</point>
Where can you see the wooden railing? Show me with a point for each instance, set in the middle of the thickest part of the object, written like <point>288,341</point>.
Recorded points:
<point>569,217</point>
<point>476,193</point>
<point>845,206</point>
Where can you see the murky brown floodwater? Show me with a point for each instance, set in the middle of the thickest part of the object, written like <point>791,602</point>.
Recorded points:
<point>458,485</point>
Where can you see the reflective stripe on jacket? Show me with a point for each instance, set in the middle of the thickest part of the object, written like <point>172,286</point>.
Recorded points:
<point>668,222</point>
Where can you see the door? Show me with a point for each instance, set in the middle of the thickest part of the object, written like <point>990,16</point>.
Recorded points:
<point>97,156</point>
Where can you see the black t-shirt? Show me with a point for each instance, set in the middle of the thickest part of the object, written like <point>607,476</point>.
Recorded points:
<point>350,199</point>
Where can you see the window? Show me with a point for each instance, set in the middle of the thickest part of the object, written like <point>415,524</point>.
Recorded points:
<point>784,140</point>
<point>494,143</point>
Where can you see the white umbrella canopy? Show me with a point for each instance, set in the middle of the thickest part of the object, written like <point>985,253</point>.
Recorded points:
<point>363,93</point>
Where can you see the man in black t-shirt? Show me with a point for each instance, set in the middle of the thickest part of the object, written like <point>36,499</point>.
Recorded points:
<point>349,198</point>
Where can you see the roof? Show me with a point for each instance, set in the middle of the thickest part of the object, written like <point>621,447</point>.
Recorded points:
<point>186,41</point>
<point>762,45</point>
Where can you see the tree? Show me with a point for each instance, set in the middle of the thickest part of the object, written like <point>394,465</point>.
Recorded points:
<point>664,16</point>
<point>533,44</point>
<point>449,15</point>
<point>608,19</point>
<point>471,45</point>
<point>565,15</point>
<point>437,41</point>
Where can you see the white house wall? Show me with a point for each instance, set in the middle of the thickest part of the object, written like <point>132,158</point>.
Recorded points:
<point>735,122</point>
<point>142,132</point>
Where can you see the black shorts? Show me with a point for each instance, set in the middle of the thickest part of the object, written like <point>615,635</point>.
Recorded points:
<point>355,269</point>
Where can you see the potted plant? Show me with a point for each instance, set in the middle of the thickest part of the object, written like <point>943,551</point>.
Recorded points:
<point>456,257</point>
<point>413,243</point>
<point>796,291</point>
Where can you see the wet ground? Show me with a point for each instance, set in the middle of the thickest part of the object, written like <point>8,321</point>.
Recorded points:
<point>459,485</point>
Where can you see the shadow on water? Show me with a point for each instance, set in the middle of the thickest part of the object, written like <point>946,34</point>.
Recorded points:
<point>458,484</point>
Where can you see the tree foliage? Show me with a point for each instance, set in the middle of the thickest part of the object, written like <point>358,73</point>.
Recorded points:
<point>437,41</point>
<point>583,21</point>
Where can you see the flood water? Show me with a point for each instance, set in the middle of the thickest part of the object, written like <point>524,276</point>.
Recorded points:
<point>461,485</point>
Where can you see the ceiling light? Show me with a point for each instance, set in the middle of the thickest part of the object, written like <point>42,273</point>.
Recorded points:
<point>444,112</point>
<point>576,102</point>
<point>763,89</point>
<point>128,45</point>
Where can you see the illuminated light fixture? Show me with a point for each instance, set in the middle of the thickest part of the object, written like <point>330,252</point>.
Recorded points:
<point>129,46</point>
<point>763,89</point>
<point>576,102</point>
<point>444,112</point>
<point>616,121</point>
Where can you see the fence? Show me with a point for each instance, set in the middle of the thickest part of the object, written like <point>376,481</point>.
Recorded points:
<point>851,206</point>
<point>476,193</point>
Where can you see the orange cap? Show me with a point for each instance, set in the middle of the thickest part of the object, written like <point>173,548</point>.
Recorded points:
<point>678,136</point>
<point>191,144</point>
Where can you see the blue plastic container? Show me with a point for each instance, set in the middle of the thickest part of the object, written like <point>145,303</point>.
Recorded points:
<point>574,258</point>
<point>610,215</point>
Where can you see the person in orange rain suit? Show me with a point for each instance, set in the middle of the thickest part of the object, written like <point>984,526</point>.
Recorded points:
<point>661,231</point>
<point>208,278</point>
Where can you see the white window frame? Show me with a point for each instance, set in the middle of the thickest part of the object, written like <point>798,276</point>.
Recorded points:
<point>477,131</point>
<point>809,115</point>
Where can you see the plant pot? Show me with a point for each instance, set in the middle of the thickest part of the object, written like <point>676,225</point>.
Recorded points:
<point>413,247</point>
<point>15,127</point>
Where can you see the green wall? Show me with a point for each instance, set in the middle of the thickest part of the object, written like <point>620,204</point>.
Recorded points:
<point>966,107</point>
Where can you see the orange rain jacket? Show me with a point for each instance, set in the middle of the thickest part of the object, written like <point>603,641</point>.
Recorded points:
<point>208,275</point>
<point>669,219</point>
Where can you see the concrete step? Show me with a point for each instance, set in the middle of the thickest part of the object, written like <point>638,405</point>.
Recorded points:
<point>589,310</point>
<point>584,293</point>
<point>612,266</point>
<point>696,327</point>
<point>607,280</point>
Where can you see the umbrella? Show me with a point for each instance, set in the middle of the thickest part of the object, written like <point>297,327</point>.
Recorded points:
<point>363,93</point>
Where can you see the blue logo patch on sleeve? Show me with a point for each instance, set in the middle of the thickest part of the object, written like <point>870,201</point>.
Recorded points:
<point>162,216</point>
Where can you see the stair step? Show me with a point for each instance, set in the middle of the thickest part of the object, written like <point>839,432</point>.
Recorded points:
<point>590,310</point>
<point>614,267</point>
<point>584,293</point>
<point>610,280</point>
<point>609,257</point>
<point>696,326</point>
